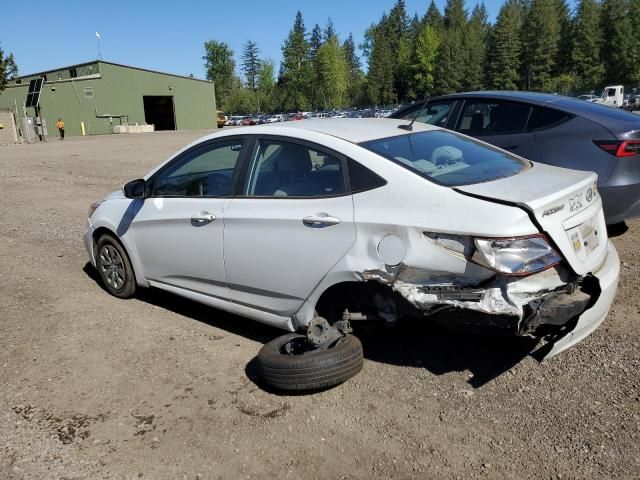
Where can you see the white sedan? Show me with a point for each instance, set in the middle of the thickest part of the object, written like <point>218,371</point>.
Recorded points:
<point>311,225</point>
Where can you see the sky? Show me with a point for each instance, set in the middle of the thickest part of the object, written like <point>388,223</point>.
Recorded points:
<point>168,36</point>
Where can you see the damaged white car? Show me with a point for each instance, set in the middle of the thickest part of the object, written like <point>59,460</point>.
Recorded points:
<point>312,225</point>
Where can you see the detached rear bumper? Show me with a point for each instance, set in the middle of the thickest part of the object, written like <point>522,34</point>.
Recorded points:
<point>589,320</point>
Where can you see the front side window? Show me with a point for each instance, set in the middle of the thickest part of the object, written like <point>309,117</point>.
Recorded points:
<point>436,113</point>
<point>493,117</point>
<point>447,158</point>
<point>205,172</point>
<point>283,169</point>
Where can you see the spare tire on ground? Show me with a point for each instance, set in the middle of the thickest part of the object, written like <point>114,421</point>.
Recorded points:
<point>290,362</point>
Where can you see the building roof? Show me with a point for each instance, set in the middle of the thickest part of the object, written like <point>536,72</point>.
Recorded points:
<point>92,62</point>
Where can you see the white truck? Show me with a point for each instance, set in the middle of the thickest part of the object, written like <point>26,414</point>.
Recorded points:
<point>612,96</point>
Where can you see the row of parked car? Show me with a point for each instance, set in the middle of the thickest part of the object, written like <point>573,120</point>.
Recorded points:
<point>259,119</point>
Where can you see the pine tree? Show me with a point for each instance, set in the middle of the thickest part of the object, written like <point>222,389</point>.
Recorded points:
<point>266,85</point>
<point>8,69</point>
<point>477,30</point>
<point>400,41</point>
<point>329,31</point>
<point>503,63</point>
<point>541,39</point>
<point>220,68</point>
<point>423,62</point>
<point>380,76</point>
<point>251,63</point>
<point>315,42</point>
<point>355,75</point>
<point>617,35</point>
<point>563,57</point>
<point>585,45</point>
<point>433,17</point>
<point>451,58</point>
<point>295,68</point>
<point>334,72</point>
<point>634,12</point>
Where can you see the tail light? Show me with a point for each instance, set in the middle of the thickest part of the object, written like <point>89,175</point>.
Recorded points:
<point>624,148</point>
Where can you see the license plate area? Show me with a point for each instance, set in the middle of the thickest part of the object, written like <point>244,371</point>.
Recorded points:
<point>585,238</point>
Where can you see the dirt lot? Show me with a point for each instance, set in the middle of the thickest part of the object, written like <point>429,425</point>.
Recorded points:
<point>158,387</point>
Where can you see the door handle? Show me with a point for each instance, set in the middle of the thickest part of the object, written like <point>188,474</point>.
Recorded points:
<point>202,218</point>
<point>320,220</point>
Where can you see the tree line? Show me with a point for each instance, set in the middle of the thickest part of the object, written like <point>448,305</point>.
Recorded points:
<point>539,45</point>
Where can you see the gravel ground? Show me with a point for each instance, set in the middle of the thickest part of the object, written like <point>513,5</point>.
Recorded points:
<point>158,387</point>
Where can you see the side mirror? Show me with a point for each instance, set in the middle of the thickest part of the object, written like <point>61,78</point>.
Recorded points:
<point>134,189</point>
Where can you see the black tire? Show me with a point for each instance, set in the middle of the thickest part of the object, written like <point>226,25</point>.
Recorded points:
<point>115,271</point>
<point>310,369</point>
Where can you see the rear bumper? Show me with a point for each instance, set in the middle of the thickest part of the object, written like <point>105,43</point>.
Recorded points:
<point>620,202</point>
<point>590,319</point>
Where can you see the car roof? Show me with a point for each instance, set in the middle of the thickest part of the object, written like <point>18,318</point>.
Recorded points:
<point>614,119</point>
<point>355,130</point>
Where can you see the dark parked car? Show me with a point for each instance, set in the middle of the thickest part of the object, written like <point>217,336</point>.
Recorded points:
<point>551,129</point>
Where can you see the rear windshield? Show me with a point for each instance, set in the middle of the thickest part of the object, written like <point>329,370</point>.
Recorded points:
<point>447,158</point>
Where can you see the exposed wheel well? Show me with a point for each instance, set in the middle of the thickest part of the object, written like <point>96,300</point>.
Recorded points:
<point>359,297</point>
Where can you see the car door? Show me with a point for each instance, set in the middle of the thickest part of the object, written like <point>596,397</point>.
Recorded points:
<point>290,226</point>
<point>179,229</point>
<point>501,123</point>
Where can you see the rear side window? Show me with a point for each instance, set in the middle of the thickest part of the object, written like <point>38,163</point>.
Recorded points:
<point>546,118</point>
<point>363,179</point>
<point>490,117</point>
<point>447,158</point>
<point>284,169</point>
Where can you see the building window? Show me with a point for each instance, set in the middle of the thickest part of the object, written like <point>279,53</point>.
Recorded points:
<point>59,76</point>
<point>73,73</point>
<point>18,81</point>
<point>88,92</point>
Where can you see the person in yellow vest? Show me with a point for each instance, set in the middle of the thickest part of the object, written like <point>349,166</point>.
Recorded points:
<point>60,126</point>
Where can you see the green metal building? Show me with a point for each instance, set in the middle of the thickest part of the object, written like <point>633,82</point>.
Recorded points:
<point>99,95</point>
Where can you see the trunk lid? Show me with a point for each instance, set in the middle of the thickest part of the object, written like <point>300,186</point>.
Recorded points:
<point>565,204</point>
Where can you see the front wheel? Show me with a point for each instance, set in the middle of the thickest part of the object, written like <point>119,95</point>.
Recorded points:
<point>114,267</point>
<point>290,362</point>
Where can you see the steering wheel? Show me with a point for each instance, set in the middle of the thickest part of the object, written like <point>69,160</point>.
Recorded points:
<point>215,184</point>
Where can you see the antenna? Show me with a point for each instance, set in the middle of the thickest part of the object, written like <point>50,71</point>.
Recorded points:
<point>409,127</point>
<point>99,52</point>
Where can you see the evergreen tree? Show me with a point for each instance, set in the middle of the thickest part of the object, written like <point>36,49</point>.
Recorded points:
<point>433,17</point>
<point>315,42</point>
<point>541,39</point>
<point>334,73</point>
<point>617,33</point>
<point>8,69</point>
<point>355,75</point>
<point>295,69</point>
<point>585,47</point>
<point>477,30</point>
<point>266,85</point>
<point>634,12</point>
<point>423,62</point>
<point>251,63</point>
<point>450,68</point>
<point>329,31</point>
<point>563,58</point>
<point>380,76</point>
<point>400,41</point>
<point>220,68</point>
<point>505,47</point>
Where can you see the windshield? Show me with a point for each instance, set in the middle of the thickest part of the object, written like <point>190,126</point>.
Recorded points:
<point>447,158</point>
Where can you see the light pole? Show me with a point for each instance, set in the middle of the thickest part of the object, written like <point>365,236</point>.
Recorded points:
<point>99,52</point>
